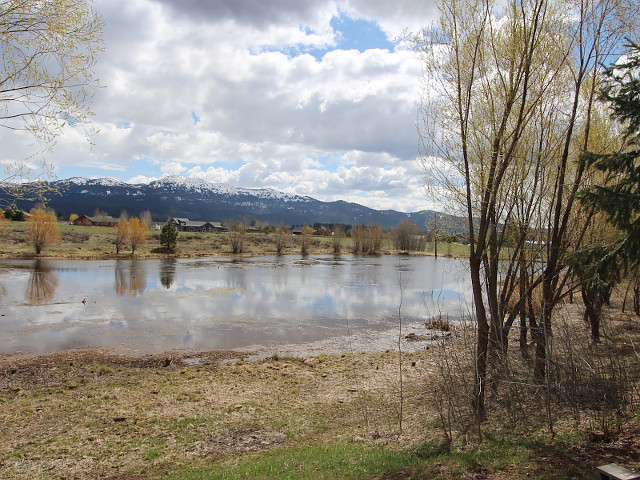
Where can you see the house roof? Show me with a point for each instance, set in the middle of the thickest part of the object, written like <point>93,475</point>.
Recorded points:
<point>105,218</point>
<point>185,222</point>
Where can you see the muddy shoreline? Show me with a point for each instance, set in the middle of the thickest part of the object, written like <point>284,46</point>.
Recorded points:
<point>412,337</point>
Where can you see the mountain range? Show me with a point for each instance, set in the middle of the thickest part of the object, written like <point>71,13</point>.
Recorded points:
<point>200,200</point>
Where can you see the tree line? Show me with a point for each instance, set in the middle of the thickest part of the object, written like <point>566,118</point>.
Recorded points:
<point>132,232</point>
<point>525,133</point>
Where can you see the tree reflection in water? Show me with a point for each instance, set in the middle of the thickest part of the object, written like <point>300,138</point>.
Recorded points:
<point>167,272</point>
<point>130,278</point>
<point>42,283</point>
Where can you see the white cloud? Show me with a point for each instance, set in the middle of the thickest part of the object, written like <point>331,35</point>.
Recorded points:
<point>337,126</point>
<point>142,179</point>
<point>173,168</point>
<point>397,16</point>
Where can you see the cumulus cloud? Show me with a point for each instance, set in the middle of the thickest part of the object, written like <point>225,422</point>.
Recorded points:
<point>393,17</point>
<point>224,91</point>
<point>397,16</point>
<point>173,168</point>
<point>142,179</point>
<point>257,13</point>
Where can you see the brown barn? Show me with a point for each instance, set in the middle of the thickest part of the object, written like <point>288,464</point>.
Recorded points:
<point>102,221</point>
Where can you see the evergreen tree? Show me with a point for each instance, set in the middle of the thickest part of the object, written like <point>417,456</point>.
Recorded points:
<point>621,198</point>
<point>600,267</point>
<point>169,236</point>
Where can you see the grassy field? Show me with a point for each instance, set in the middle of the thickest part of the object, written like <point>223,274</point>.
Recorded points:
<point>98,242</point>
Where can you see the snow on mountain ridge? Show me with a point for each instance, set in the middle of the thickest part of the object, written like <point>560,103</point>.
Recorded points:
<point>109,182</point>
<point>77,181</point>
<point>104,181</point>
<point>196,185</point>
<point>200,185</point>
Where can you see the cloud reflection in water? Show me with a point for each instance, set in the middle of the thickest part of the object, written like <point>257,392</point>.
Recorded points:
<point>219,303</point>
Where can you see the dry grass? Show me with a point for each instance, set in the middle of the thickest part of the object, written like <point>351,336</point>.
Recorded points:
<point>98,243</point>
<point>88,414</point>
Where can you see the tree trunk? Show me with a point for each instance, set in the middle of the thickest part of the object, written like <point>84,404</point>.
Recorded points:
<point>524,350</point>
<point>483,342</point>
<point>539,335</point>
<point>540,362</point>
<point>592,311</point>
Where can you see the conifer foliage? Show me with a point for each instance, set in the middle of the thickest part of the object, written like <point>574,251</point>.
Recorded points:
<point>600,267</point>
<point>169,236</point>
<point>621,198</point>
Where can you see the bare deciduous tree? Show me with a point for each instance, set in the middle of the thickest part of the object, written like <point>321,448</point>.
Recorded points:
<point>509,107</point>
<point>145,217</point>
<point>337,238</point>
<point>281,236</point>
<point>138,233</point>
<point>408,237</point>
<point>43,228</point>
<point>357,238</point>
<point>237,233</point>
<point>305,238</point>
<point>367,240</point>
<point>122,234</point>
<point>48,53</point>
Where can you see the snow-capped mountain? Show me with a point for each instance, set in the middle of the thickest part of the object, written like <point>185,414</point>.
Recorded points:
<point>200,200</point>
<point>197,185</point>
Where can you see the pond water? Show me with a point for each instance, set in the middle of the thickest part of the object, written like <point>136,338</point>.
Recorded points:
<point>148,306</point>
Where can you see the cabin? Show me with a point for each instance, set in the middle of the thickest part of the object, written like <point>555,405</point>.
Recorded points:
<point>101,221</point>
<point>179,223</point>
<point>186,225</point>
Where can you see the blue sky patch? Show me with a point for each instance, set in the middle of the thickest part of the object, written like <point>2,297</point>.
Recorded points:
<point>358,34</point>
<point>228,165</point>
<point>351,34</point>
<point>330,162</point>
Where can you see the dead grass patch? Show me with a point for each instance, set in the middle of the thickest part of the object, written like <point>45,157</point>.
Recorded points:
<point>89,413</point>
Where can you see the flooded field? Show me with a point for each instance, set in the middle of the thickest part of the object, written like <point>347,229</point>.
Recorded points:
<point>220,303</point>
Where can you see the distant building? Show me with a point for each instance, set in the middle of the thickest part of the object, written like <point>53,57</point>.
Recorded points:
<point>101,221</point>
<point>186,225</point>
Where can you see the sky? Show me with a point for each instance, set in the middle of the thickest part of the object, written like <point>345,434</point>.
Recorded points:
<point>313,98</point>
